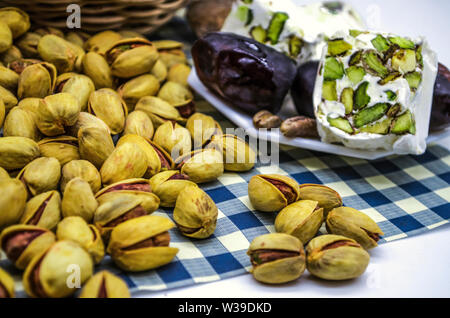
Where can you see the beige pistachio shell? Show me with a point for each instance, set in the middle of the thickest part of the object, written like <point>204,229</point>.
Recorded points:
<point>62,269</point>
<point>138,123</point>
<point>202,165</point>
<point>31,105</point>
<point>78,85</point>
<point>102,41</point>
<point>202,128</point>
<point>13,199</point>
<point>174,138</point>
<point>49,30</point>
<point>170,52</point>
<point>17,152</point>
<point>354,224</point>
<point>43,210</point>
<point>8,78</point>
<point>37,80</point>
<point>4,174</point>
<point>158,110</point>
<point>237,154</point>
<point>168,189</point>
<point>105,285</point>
<point>41,175</point>
<point>77,38</point>
<point>2,112</point>
<point>28,44</point>
<point>75,228</point>
<point>78,200</point>
<point>86,120</point>
<point>336,263</point>
<point>138,87</point>
<point>20,123</point>
<point>135,185</point>
<point>81,169</point>
<point>179,73</point>
<point>195,213</point>
<point>9,100</point>
<point>6,285</point>
<point>126,34</point>
<point>175,93</point>
<point>107,105</point>
<point>98,70</point>
<point>17,20</point>
<point>301,219</point>
<point>328,198</point>
<point>10,55</point>
<point>6,38</point>
<point>96,145</point>
<point>22,242</point>
<point>159,70</point>
<point>59,52</point>
<point>63,148</point>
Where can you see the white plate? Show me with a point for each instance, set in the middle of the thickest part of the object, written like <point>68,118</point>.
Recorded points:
<point>244,120</point>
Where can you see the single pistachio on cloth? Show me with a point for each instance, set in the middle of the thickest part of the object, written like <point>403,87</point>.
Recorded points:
<point>107,105</point>
<point>202,165</point>
<point>301,219</point>
<point>105,284</point>
<point>61,53</point>
<point>6,38</point>
<point>138,123</point>
<point>10,55</point>
<point>8,98</point>
<point>142,243</point>
<point>195,213</point>
<point>159,70</point>
<point>78,200</point>
<point>179,96</point>
<point>22,242</point>
<point>75,228</point>
<point>272,192</point>
<point>37,79</point>
<point>79,85</point>
<point>335,257</point>
<point>17,20</point>
<point>86,120</point>
<point>8,79</point>
<point>354,224</point>
<point>170,52</point>
<point>179,73</point>
<point>158,110</point>
<point>328,198</point>
<point>101,41</point>
<point>167,185</point>
<point>81,169</point>
<point>63,148</point>
<point>43,210</point>
<point>13,200</point>
<point>41,175</point>
<point>138,87</point>
<point>17,152</point>
<point>96,145</point>
<point>20,123</point>
<point>174,138</point>
<point>98,70</point>
<point>202,128</point>
<point>277,258</point>
<point>6,285</point>
<point>50,274</point>
<point>237,154</point>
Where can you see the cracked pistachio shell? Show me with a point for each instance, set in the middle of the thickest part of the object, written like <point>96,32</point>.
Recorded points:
<point>3,174</point>
<point>267,197</point>
<point>78,85</point>
<point>335,257</point>
<point>105,285</point>
<point>59,52</point>
<point>281,270</point>
<point>13,199</point>
<point>8,78</point>
<point>125,162</point>
<point>81,169</point>
<point>75,228</point>
<point>9,100</point>
<point>107,105</point>
<point>17,20</point>
<point>43,210</point>
<point>354,224</point>
<point>63,148</point>
<point>131,186</point>
<point>195,213</point>
<point>237,154</point>
<point>41,175</point>
<point>10,55</point>
<point>96,145</point>
<point>202,128</point>
<point>37,80</point>
<point>102,41</point>
<point>44,30</point>
<point>301,219</point>
<point>135,231</point>
<point>86,120</point>
<point>6,285</point>
<point>138,87</point>
<point>131,57</point>
<point>328,198</point>
<point>22,242</point>
<point>170,52</point>
<point>179,73</point>
<point>78,200</point>
<point>17,152</point>
<point>175,93</point>
<point>158,110</point>
<point>138,123</point>
<point>31,105</point>
<point>98,70</point>
<point>127,34</point>
<point>202,165</point>
<point>53,270</point>
<point>56,112</point>
<point>174,138</point>
<point>159,70</point>
<point>28,43</point>
<point>77,38</point>
<point>167,186</point>
<point>20,123</point>
<point>2,113</point>
<point>6,38</point>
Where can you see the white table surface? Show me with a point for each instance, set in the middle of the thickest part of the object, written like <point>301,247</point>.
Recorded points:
<point>413,267</point>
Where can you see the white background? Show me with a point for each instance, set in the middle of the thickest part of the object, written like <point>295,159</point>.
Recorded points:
<point>413,267</point>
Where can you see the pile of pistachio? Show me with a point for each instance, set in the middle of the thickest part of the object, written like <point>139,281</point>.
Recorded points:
<point>69,193</point>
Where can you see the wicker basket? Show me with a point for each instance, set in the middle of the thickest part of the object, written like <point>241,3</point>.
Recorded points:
<point>143,16</point>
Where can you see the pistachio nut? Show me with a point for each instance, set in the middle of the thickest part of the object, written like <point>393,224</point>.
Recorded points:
<point>86,120</point>
<point>77,38</point>
<point>3,174</point>
<point>179,73</point>
<point>126,34</point>
<point>37,80</point>
<point>138,87</point>
<point>96,145</point>
<point>98,70</point>
<point>12,201</point>
<point>201,165</point>
<point>136,186</point>
<point>167,185</point>
<point>43,210</point>
<point>202,128</point>
<point>328,198</point>
<point>78,200</point>
<point>6,285</point>
<point>63,148</point>
<point>131,57</point>
<point>276,258</point>
<point>170,52</point>
<point>56,112</point>
<point>28,44</point>
<point>138,123</point>
<point>20,123</point>
<point>301,219</point>
<point>8,78</point>
<point>47,274</point>
<point>22,242</point>
<point>44,30</point>
<point>41,175</point>
<point>75,228</point>
<point>9,100</point>
<point>175,139</point>
<point>10,55</point>
<point>158,110</point>
<point>6,38</point>
<point>17,152</point>
<point>354,224</point>
<point>195,213</point>
<point>101,42</point>
<point>81,169</point>
<point>105,285</point>
<point>2,113</point>
<point>59,52</point>
<point>17,20</point>
<point>335,257</point>
<point>31,105</point>
<point>159,70</point>
<point>107,105</point>
<point>272,192</point>
<point>78,85</point>
<point>179,96</point>
<point>237,154</point>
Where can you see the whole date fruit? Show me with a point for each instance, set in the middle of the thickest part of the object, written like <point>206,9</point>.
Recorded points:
<point>440,112</point>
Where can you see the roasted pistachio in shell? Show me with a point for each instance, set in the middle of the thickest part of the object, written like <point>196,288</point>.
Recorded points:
<point>41,175</point>
<point>237,154</point>
<point>28,43</point>
<point>107,105</point>
<point>13,199</point>
<point>17,152</point>
<point>75,228</point>
<point>86,120</point>
<point>78,85</point>
<point>8,78</point>
<point>77,38</point>
<point>31,105</point>
<point>102,41</point>
<point>203,165</point>
<point>6,285</point>
<point>96,145</point>
<point>158,110</point>
<point>43,210</point>
<point>136,186</point>
<point>22,242</point>
<point>81,169</point>
<point>301,219</point>
<point>272,192</point>
<point>179,73</point>
<point>10,55</point>
<point>47,275</point>
<point>4,174</point>
<point>63,148</point>
<point>179,96</point>
<point>276,258</point>
<point>354,224</point>
<point>6,38</point>
<point>170,52</point>
<point>195,213</point>
<point>20,123</point>
<point>16,19</point>
<point>78,200</point>
<point>138,123</point>
<point>98,70</point>
<point>202,128</point>
<point>167,185</point>
<point>59,52</point>
<point>2,112</point>
<point>142,243</point>
<point>37,80</point>
<point>159,70</point>
<point>328,198</point>
<point>105,285</point>
<point>9,100</point>
<point>138,87</point>
<point>335,257</point>
<point>174,138</point>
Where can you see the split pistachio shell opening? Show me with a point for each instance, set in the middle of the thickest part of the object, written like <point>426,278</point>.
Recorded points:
<point>105,285</point>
